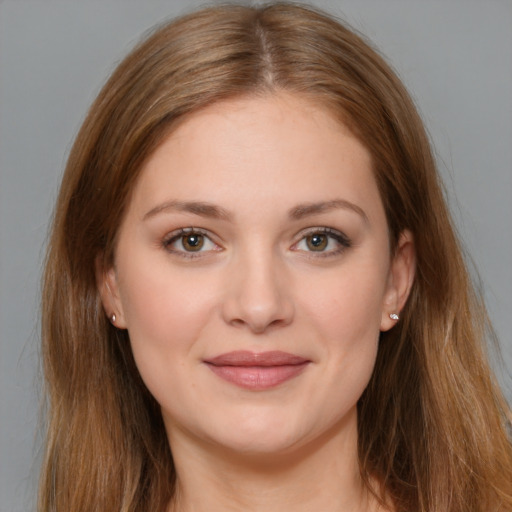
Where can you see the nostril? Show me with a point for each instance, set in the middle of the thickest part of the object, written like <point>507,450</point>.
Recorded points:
<point>260,326</point>
<point>278,322</point>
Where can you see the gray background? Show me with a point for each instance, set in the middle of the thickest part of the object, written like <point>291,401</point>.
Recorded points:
<point>454,55</point>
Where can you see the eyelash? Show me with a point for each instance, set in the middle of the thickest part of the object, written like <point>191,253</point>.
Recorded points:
<point>175,236</point>
<point>340,238</point>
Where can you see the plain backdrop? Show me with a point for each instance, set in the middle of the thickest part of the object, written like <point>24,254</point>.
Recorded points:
<point>454,55</point>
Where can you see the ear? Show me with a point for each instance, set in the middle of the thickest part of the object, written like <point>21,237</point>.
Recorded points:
<point>400,279</point>
<point>106,281</point>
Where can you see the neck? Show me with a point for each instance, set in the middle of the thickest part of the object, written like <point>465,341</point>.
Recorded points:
<point>322,475</point>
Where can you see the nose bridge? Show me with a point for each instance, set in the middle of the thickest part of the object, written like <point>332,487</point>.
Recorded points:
<point>257,293</point>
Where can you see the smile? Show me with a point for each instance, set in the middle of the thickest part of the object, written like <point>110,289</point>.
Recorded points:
<point>257,371</point>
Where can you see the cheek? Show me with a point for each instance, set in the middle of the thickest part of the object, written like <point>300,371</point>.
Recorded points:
<point>354,340</point>
<point>165,314</point>
<point>347,305</point>
<point>346,315</point>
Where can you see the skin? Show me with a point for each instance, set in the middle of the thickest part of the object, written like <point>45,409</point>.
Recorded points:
<point>259,284</point>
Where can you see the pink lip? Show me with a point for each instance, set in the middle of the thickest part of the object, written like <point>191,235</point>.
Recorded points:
<point>257,370</point>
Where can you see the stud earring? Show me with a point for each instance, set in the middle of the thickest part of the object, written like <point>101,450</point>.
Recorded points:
<point>394,316</point>
<point>113,319</point>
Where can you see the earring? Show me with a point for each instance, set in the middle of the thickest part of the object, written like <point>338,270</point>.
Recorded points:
<point>113,319</point>
<point>394,316</point>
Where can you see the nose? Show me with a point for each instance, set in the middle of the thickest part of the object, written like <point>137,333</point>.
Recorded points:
<point>258,296</point>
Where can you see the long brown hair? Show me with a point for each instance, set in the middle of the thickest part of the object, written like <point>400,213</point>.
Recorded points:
<point>432,421</point>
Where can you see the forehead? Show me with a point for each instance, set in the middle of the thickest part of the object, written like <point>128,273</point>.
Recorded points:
<point>275,147</point>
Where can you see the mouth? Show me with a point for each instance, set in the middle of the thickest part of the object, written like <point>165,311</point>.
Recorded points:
<point>257,371</point>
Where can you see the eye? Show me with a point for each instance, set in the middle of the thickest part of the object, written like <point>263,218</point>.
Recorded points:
<point>193,242</point>
<point>326,241</point>
<point>317,242</point>
<point>188,241</point>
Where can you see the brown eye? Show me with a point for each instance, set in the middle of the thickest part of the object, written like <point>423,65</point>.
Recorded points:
<point>189,243</point>
<point>192,242</point>
<point>317,241</point>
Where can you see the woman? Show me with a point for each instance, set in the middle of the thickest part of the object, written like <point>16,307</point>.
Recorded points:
<point>254,298</point>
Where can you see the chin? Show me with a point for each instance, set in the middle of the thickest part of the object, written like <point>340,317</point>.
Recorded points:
<point>268,435</point>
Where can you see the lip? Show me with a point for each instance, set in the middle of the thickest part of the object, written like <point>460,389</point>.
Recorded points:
<point>257,371</point>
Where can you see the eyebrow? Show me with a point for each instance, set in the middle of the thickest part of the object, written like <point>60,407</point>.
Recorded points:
<point>200,208</point>
<point>204,209</point>
<point>305,210</point>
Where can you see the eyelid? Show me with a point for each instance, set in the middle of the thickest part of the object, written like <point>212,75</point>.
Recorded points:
<point>340,238</point>
<point>325,230</point>
<point>173,236</point>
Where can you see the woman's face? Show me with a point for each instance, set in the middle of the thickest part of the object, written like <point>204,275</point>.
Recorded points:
<point>253,273</point>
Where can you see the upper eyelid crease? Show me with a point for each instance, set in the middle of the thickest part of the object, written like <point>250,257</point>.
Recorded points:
<point>334,233</point>
<point>179,233</point>
<point>339,236</point>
